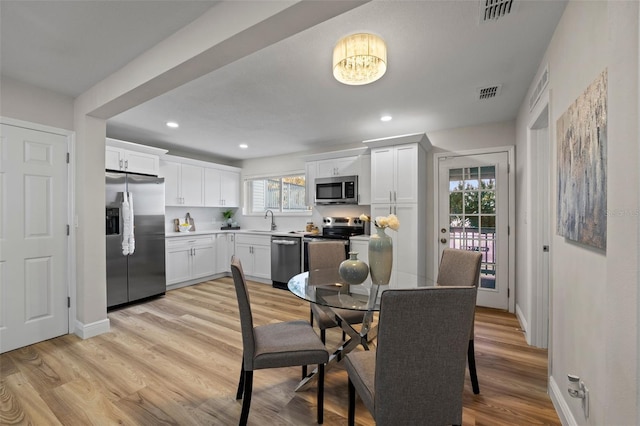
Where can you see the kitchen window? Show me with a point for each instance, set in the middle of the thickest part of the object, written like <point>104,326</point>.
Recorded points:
<point>284,194</point>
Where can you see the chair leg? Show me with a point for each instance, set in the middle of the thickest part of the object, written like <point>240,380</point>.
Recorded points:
<point>323,336</point>
<point>320,393</point>
<point>304,371</point>
<point>246,401</point>
<point>241,382</point>
<point>471,356</point>
<point>351,417</point>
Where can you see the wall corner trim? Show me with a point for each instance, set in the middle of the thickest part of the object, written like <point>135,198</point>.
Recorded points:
<point>86,331</point>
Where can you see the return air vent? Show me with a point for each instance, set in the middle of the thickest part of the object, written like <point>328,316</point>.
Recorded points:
<point>489,92</point>
<point>495,9</point>
<point>540,86</point>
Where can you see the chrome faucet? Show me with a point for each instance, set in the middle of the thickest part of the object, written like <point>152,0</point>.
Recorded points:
<point>273,224</point>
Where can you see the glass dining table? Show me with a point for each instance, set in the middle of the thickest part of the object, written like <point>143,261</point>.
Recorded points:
<point>319,287</point>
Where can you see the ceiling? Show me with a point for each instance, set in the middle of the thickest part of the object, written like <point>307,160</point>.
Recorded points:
<point>283,99</point>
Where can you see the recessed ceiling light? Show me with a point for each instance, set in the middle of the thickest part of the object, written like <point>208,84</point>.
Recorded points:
<point>172,124</point>
<point>386,118</point>
<point>243,146</point>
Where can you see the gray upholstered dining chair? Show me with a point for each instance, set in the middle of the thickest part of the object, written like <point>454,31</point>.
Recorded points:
<point>283,344</point>
<point>462,268</point>
<point>327,256</point>
<point>416,374</point>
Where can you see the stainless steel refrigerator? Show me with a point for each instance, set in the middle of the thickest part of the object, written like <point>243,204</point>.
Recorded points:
<point>140,274</point>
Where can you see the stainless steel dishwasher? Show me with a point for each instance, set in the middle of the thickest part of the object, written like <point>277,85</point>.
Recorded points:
<point>286,259</point>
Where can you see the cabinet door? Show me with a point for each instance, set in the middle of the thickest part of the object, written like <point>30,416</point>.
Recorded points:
<point>362,248</point>
<point>406,174</point>
<point>212,195</point>
<point>244,252</point>
<point>171,173</point>
<point>364,180</point>
<point>325,168</point>
<point>230,188</point>
<point>408,261</point>
<point>262,262</point>
<point>223,257</point>
<point>191,185</point>
<point>178,262</point>
<point>382,175</point>
<point>347,166</point>
<point>113,158</point>
<point>203,261</point>
<point>311,172</point>
<point>141,162</point>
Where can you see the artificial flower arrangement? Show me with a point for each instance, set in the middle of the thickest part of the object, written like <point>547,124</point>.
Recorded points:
<point>390,221</point>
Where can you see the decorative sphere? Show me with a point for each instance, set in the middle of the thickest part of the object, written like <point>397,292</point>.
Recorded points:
<point>352,270</point>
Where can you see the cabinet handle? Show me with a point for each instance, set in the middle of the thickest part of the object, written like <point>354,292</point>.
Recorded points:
<point>120,161</point>
<point>390,196</point>
<point>395,196</point>
<point>126,164</point>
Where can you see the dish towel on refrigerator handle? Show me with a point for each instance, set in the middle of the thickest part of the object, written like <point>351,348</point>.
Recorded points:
<point>128,239</point>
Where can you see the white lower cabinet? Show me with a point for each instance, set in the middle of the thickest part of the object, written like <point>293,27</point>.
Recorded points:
<point>409,257</point>
<point>189,258</point>
<point>254,251</point>
<point>361,246</point>
<point>224,251</point>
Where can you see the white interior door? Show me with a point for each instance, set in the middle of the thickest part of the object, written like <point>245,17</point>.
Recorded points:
<point>33,236</point>
<point>473,200</point>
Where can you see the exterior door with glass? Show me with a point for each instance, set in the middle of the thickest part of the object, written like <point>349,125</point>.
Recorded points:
<point>473,200</point>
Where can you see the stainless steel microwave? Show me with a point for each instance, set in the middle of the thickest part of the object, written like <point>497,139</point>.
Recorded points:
<point>337,190</point>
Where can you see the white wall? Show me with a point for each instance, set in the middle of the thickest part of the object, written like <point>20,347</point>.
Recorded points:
<point>594,298</point>
<point>456,140</point>
<point>30,103</point>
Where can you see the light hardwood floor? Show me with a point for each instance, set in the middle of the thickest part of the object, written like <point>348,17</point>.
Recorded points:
<point>175,360</point>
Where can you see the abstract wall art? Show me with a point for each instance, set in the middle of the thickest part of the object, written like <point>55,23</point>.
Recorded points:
<point>582,167</point>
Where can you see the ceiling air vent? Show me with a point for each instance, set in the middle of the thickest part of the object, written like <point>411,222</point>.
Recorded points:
<point>495,9</point>
<point>489,92</point>
<point>540,86</point>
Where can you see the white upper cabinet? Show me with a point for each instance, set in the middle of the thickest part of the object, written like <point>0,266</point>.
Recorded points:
<point>183,184</point>
<point>222,188</point>
<point>199,183</point>
<point>345,166</point>
<point>394,177</point>
<point>129,157</point>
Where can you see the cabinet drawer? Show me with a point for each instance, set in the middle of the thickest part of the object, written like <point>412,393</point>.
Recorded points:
<point>189,241</point>
<point>254,240</point>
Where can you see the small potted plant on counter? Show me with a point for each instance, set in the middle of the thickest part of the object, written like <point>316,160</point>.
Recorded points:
<point>228,219</point>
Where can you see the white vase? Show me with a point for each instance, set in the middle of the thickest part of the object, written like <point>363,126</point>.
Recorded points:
<point>380,257</point>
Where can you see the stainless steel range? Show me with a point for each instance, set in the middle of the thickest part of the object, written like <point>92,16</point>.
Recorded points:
<point>335,228</point>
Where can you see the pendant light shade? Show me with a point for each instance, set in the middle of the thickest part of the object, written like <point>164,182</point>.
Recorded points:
<point>359,59</point>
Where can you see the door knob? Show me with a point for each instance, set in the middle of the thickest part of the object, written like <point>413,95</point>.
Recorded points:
<point>443,240</point>
<point>443,230</point>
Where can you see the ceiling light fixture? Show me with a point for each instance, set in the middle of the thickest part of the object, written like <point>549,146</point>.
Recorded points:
<point>359,59</point>
<point>386,118</point>
<point>172,124</point>
<point>243,146</point>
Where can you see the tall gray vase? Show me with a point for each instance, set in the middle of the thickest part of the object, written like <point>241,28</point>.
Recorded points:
<point>380,257</point>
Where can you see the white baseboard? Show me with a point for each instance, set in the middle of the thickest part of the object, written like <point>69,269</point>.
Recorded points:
<point>85,331</point>
<point>523,324</point>
<point>560,404</point>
